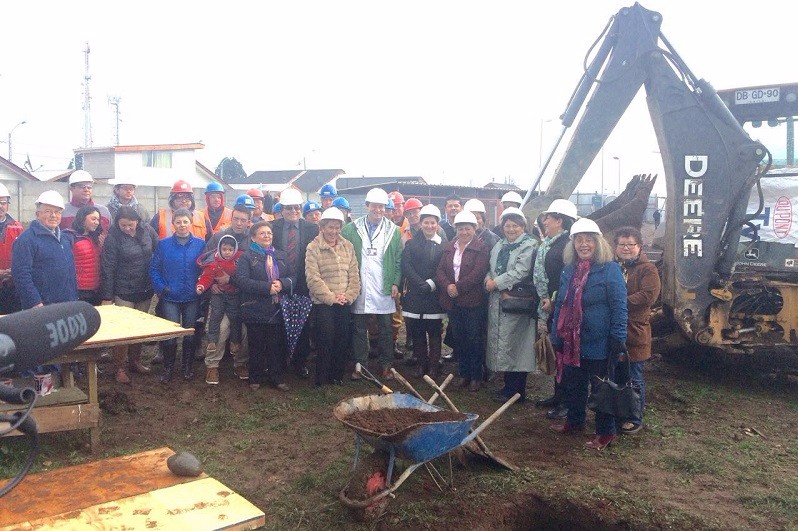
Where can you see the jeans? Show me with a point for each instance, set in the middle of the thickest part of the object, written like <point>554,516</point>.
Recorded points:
<point>360,340</point>
<point>577,381</point>
<point>185,314</point>
<point>466,333</point>
<point>635,375</point>
<point>224,304</point>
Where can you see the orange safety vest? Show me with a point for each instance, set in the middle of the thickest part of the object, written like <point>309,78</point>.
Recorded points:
<point>165,228</point>
<point>225,220</point>
<point>13,230</point>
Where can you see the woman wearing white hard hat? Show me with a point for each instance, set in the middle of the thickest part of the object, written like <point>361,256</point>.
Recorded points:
<point>420,305</point>
<point>555,222</point>
<point>334,283</point>
<point>589,334</point>
<point>508,200</point>
<point>511,336</point>
<point>459,282</point>
<point>477,207</point>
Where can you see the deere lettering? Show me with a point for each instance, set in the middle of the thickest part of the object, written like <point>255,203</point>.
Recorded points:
<point>695,167</point>
<point>66,329</point>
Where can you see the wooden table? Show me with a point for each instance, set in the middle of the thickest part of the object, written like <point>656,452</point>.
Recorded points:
<point>68,407</point>
<point>129,492</point>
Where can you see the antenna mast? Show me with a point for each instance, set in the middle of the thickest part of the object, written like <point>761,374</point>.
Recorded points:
<point>114,101</point>
<point>87,142</point>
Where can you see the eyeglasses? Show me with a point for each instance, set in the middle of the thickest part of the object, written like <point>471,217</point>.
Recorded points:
<point>49,212</point>
<point>626,245</point>
<point>292,207</point>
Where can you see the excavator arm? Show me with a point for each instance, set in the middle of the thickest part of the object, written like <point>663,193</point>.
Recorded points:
<point>710,162</point>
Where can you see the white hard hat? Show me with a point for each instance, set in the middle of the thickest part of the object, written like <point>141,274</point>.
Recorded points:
<point>562,207</point>
<point>332,213</point>
<point>377,195</point>
<point>80,176</point>
<point>512,210</point>
<point>50,197</point>
<point>4,191</point>
<point>121,180</point>
<point>512,197</point>
<point>290,196</point>
<point>430,210</point>
<point>584,225</point>
<point>465,216</point>
<point>474,205</point>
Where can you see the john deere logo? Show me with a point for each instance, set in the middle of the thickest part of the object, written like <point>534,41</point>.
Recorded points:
<point>752,254</point>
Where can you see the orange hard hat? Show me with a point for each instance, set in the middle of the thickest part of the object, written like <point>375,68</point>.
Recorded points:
<point>255,193</point>
<point>412,203</point>
<point>181,187</point>
<point>397,198</point>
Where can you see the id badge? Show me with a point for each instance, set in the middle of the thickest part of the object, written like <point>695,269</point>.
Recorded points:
<point>371,251</point>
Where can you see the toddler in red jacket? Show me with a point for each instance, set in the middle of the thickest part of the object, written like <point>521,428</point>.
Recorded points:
<point>224,299</point>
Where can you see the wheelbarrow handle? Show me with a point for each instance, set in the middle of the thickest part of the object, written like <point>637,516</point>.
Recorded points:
<point>401,379</point>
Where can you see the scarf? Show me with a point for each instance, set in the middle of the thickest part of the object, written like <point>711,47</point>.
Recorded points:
<point>272,269</point>
<point>569,324</point>
<point>114,204</point>
<point>626,264</point>
<point>504,254</point>
<point>539,277</point>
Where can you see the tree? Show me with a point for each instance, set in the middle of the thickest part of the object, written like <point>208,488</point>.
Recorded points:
<point>229,168</point>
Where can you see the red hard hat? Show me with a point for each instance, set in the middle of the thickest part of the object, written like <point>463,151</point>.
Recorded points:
<point>181,187</point>
<point>255,193</point>
<point>397,198</point>
<point>412,203</point>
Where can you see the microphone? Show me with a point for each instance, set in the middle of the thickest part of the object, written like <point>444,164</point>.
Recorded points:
<point>33,337</point>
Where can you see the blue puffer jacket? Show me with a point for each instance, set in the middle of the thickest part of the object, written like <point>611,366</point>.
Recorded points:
<point>43,267</point>
<point>603,309</point>
<point>174,268</point>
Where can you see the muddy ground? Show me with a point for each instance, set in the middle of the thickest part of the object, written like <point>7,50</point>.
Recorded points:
<point>719,451</point>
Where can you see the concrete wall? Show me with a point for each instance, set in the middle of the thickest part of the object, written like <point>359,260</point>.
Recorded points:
<point>25,193</point>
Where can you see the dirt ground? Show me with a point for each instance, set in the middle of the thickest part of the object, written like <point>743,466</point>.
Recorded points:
<point>719,451</point>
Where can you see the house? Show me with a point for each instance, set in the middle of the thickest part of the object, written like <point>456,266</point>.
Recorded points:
<point>308,182</point>
<point>22,186</point>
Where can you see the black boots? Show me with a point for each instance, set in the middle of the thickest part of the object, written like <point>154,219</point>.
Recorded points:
<point>169,353</point>
<point>188,359</point>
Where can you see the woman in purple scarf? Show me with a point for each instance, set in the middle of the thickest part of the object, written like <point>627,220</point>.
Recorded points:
<point>589,326</point>
<point>263,275</point>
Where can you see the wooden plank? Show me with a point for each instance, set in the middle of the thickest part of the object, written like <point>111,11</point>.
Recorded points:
<point>63,418</point>
<point>60,396</point>
<point>205,504</point>
<point>75,488</point>
<point>120,325</point>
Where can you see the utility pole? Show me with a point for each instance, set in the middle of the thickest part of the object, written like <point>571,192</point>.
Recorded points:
<point>114,101</point>
<point>87,141</point>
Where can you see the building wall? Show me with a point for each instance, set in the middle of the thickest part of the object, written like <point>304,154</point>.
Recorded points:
<point>100,165</point>
<point>130,165</point>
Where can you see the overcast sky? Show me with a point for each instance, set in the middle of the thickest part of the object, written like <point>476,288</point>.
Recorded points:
<point>454,91</point>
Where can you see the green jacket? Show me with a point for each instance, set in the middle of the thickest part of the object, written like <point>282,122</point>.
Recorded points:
<point>392,259</point>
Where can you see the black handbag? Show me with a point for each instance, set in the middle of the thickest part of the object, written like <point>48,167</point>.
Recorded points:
<point>521,298</point>
<point>623,402</point>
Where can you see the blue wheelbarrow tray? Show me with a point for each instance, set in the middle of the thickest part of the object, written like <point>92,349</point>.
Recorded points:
<point>417,443</point>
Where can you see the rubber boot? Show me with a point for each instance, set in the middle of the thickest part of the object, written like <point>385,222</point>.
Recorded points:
<point>434,356</point>
<point>119,354</point>
<point>169,353</point>
<point>188,359</point>
<point>134,355</point>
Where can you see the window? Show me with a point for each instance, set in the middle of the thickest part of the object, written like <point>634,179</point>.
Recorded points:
<point>156,159</point>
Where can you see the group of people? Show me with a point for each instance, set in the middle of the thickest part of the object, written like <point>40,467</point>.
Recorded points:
<point>308,275</point>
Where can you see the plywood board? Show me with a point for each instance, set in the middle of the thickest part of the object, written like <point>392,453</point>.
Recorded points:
<point>205,504</point>
<point>120,325</point>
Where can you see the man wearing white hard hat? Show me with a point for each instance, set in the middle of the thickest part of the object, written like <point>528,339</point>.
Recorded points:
<point>10,229</point>
<point>378,248</point>
<point>293,234</point>
<point>81,184</point>
<point>124,194</point>
<point>555,223</point>
<point>42,264</point>
<point>334,283</point>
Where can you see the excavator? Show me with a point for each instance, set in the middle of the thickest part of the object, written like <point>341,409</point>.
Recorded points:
<point>712,167</point>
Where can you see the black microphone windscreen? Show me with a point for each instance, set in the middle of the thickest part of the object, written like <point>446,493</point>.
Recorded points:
<point>40,334</point>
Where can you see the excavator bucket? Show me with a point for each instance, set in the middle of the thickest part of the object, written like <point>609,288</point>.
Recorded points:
<point>628,208</point>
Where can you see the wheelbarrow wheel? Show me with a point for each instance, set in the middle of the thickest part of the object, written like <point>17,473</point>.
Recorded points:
<point>368,480</point>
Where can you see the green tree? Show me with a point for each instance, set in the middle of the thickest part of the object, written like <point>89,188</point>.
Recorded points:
<point>229,168</point>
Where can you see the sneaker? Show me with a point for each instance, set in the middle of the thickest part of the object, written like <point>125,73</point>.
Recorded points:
<point>242,372</point>
<point>235,348</point>
<point>212,376</point>
<point>629,428</point>
<point>211,348</point>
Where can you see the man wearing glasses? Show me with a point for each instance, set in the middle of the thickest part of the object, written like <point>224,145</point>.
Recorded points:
<point>80,189</point>
<point>42,264</point>
<point>10,229</point>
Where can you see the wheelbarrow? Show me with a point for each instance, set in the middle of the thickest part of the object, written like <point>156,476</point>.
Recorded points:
<point>417,443</point>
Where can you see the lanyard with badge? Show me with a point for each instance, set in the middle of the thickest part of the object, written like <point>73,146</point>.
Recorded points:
<point>371,250</point>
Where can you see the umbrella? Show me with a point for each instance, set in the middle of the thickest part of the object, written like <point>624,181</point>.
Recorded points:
<point>296,309</point>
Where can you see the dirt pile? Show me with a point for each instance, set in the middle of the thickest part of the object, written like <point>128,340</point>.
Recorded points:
<point>387,421</point>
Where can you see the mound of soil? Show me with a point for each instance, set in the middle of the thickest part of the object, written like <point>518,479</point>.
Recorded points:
<point>387,421</point>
